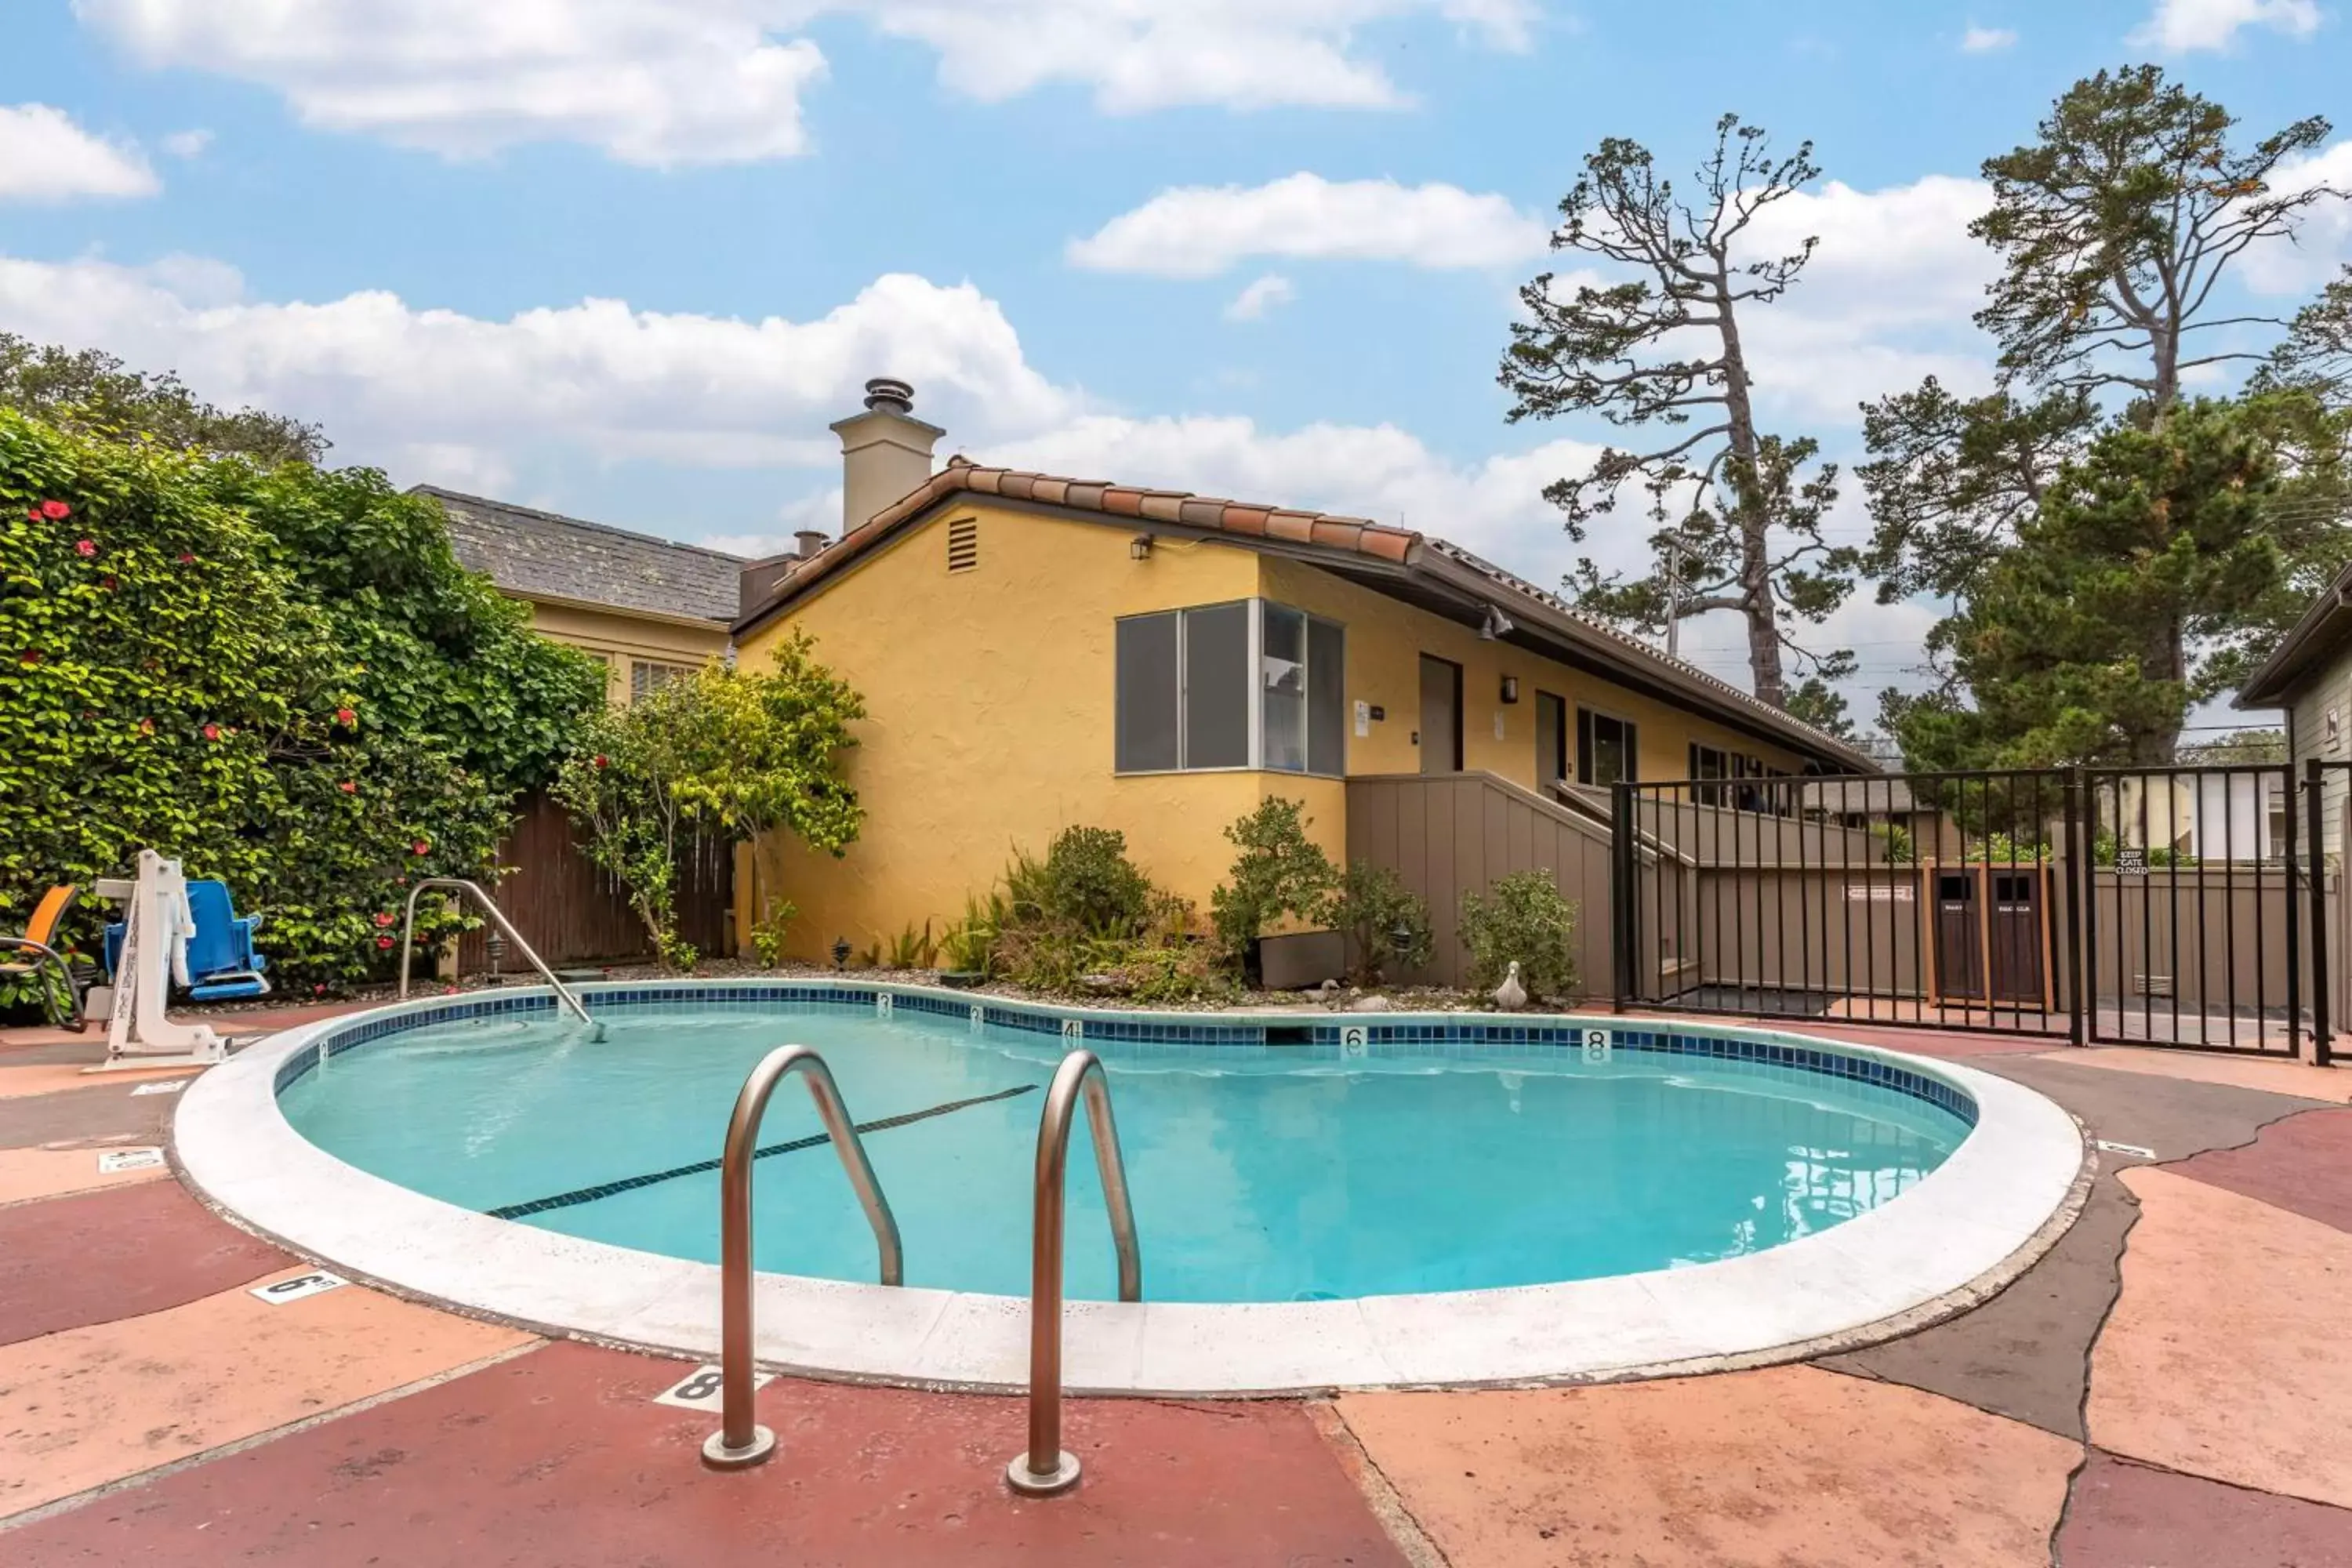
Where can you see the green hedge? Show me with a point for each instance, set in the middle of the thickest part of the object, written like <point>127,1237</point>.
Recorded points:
<point>281,676</point>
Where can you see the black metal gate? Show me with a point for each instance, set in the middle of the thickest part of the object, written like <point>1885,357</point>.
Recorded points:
<point>2148,906</point>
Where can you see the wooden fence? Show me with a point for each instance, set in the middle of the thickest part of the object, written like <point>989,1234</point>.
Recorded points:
<point>574,913</point>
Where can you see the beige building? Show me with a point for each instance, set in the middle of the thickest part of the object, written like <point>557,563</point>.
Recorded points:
<point>650,608</point>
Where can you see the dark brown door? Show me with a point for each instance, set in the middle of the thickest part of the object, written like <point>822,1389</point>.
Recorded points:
<point>1959,940</point>
<point>2017,936</point>
<point>1440,716</point>
<point>1551,741</point>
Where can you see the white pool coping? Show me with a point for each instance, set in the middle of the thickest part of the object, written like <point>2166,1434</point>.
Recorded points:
<point>1963,1231</point>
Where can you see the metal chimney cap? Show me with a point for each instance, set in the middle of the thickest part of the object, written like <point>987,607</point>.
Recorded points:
<point>885,394</point>
<point>810,540</point>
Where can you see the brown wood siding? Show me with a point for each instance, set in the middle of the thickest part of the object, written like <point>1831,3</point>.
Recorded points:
<point>1447,833</point>
<point>574,913</point>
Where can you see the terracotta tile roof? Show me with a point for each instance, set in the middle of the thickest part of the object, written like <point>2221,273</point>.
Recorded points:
<point>1360,536</point>
<point>1180,508</point>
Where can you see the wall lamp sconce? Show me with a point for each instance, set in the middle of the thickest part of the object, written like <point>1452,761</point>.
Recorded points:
<point>1496,625</point>
<point>1139,547</point>
<point>1510,688</point>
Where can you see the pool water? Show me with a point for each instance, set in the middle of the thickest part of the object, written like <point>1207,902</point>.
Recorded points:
<point>1275,1176</point>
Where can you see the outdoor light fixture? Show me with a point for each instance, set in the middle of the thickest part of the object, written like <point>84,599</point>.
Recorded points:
<point>1401,939</point>
<point>1510,688</point>
<point>1493,626</point>
<point>1139,547</point>
<point>841,953</point>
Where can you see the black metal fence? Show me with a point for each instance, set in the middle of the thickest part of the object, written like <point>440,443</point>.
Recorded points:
<point>2160,906</point>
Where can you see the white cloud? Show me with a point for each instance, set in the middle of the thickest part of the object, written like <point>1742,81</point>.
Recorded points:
<point>1194,231</point>
<point>1261,296</point>
<point>2184,26</point>
<point>1987,41</point>
<point>45,157</point>
<point>2323,245</point>
<point>661,82</point>
<point>595,380</point>
<point>188,144</point>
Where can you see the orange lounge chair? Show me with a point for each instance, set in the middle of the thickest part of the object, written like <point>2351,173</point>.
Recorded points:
<point>39,932</point>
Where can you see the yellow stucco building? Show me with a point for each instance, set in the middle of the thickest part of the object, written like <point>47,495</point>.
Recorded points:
<point>1036,652</point>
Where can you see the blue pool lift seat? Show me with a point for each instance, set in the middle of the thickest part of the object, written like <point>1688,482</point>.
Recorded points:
<point>222,963</point>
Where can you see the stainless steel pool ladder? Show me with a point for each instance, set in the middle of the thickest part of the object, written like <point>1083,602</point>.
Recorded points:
<point>741,1441</point>
<point>564,994</point>
<point>1044,1469</point>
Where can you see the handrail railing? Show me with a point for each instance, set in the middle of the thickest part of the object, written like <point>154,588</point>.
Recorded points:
<point>564,993</point>
<point>1044,1469</point>
<point>740,1440</point>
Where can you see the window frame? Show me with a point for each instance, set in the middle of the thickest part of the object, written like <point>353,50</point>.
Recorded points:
<point>1255,666</point>
<point>1585,714</point>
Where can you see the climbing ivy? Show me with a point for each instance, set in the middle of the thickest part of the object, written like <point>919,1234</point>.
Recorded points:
<point>281,676</point>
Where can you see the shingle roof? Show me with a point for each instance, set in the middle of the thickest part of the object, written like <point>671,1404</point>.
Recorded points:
<point>531,553</point>
<point>1313,529</point>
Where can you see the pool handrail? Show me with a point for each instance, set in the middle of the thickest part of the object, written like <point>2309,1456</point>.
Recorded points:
<point>564,994</point>
<point>1044,1468</point>
<point>741,1441</point>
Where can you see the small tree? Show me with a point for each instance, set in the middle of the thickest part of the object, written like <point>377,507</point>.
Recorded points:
<point>714,760</point>
<point>1372,907</point>
<point>1521,919</point>
<point>1280,871</point>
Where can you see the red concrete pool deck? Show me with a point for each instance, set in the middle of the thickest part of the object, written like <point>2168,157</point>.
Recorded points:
<point>2166,1388</point>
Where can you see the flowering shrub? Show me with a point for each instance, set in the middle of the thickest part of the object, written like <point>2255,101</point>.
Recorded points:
<point>283,678</point>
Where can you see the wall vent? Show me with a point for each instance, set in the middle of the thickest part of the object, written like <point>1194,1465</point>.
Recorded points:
<point>2152,984</point>
<point>963,544</point>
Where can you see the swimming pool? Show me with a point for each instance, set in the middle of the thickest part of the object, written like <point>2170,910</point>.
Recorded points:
<point>1266,1173</point>
<point>1627,1193</point>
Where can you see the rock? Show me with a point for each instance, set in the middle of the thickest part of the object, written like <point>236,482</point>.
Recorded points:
<point>1371,1004</point>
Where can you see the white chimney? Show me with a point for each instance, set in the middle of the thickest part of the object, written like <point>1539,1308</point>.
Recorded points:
<point>886,452</point>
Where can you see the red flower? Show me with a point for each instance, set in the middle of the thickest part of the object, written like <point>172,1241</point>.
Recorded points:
<point>108,583</point>
<point>383,942</point>
<point>383,918</point>
<point>186,559</point>
<point>600,762</point>
<point>420,848</point>
<point>85,548</point>
<point>212,732</point>
<point>33,515</point>
<point>32,656</point>
<point>349,787</point>
<point>319,989</point>
<point>346,717</point>
<point>146,726</point>
<point>54,510</point>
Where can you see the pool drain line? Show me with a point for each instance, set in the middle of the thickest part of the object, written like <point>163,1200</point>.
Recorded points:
<point>605,1190</point>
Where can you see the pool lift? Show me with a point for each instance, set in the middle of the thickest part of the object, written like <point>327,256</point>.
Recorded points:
<point>157,924</point>
<point>565,997</point>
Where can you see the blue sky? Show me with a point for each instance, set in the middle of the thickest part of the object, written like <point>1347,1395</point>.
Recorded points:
<point>1255,247</point>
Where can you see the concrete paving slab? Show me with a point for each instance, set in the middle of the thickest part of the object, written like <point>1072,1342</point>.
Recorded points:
<point>2225,1357</point>
<point>2026,1352</point>
<point>2131,1516</point>
<point>107,1113</point>
<point>2272,1075</point>
<point>2174,1117</point>
<point>94,1405</point>
<point>560,1457</point>
<point>29,1174</point>
<point>1791,1467</point>
<point>2303,1164</point>
<point>98,1257</point>
<point>18,1079</point>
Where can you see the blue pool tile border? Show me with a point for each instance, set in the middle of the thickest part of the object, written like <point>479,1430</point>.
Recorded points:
<point>1373,1034</point>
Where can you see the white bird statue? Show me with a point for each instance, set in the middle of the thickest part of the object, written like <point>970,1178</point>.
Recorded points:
<point>1510,995</point>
